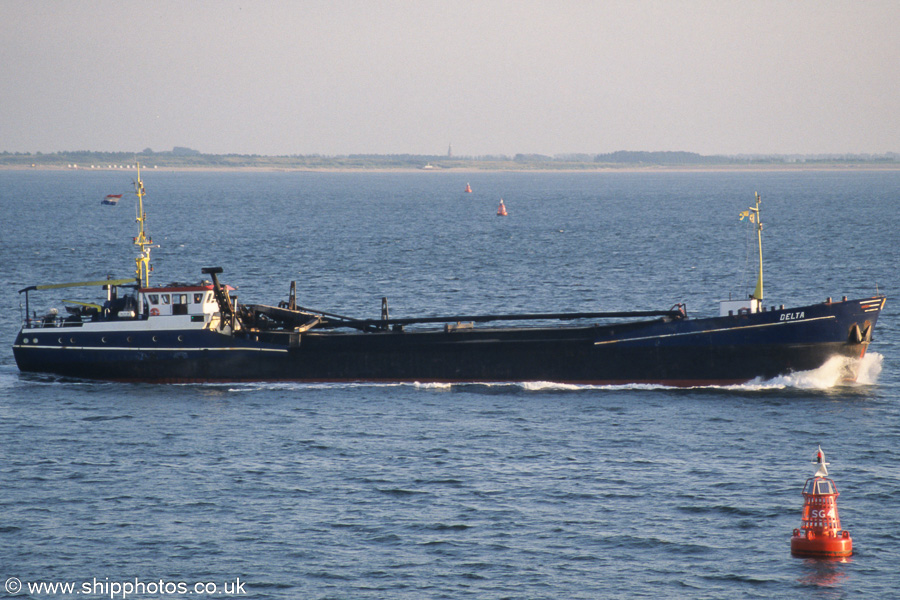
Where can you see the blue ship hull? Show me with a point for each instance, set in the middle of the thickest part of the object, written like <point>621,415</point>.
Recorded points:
<point>671,351</point>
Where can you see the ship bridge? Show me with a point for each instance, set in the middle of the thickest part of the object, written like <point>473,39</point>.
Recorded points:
<point>180,300</point>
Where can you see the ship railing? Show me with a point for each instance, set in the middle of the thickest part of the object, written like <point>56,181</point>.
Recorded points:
<point>56,320</point>
<point>52,321</point>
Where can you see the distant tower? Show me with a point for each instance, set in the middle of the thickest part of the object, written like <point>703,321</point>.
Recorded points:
<point>450,151</point>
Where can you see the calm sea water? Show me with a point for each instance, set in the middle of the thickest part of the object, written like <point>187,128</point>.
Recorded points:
<point>462,491</point>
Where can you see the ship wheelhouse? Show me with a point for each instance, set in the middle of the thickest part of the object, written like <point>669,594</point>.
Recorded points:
<point>195,301</point>
<point>127,302</point>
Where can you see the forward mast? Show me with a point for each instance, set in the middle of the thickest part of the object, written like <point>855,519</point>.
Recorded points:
<point>142,261</point>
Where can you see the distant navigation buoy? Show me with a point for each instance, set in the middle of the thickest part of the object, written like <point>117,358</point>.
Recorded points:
<point>820,534</point>
<point>468,189</point>
<point>501,210</point>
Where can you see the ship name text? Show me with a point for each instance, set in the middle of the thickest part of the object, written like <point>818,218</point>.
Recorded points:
<point>792,316</point>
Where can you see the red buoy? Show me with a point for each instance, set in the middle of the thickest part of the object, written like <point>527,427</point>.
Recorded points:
<point>501,210</point>
<point>468,189</point>
<point>820,534</point>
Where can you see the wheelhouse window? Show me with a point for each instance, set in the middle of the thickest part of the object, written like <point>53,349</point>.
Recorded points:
<point>198,298</point>
<point>153,298</point>
<point>166,299</point>
<point>179,298</point>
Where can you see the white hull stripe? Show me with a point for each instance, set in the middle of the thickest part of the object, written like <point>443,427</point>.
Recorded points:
<point>872,305</point>
<point>155,349</point>
<point>705,331</point>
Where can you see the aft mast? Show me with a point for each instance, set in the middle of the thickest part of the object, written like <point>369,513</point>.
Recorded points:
<point>758,292</point>
<point>142,261</point>
<point>754,302</point>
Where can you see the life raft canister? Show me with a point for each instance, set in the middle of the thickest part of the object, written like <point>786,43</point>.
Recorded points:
<point>820,534</point>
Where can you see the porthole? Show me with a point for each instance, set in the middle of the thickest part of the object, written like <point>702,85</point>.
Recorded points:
<point>60,340</point>
<point>34,340</point>
<point>128,339</point>
<point>71,340</point>
<point>180,338</point>
<point>155,339</point>
<point>103,339</point>
<point>24,340</point>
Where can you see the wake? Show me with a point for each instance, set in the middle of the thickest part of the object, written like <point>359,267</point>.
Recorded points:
<point>832,374</point>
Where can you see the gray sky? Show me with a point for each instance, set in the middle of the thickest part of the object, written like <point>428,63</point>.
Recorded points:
<point>490,77</point>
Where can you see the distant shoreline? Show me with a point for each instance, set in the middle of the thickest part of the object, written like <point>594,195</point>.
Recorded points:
<point>759,167</point>
<point>187,159</point>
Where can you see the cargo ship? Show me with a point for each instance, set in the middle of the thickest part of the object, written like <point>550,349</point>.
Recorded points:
<point>194,333</point>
